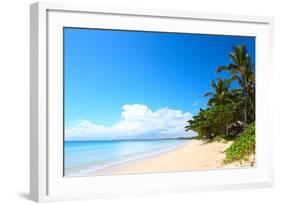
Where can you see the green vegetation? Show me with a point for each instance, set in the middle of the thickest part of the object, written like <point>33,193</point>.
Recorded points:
<point>243,146</point>
<point>231,107</point>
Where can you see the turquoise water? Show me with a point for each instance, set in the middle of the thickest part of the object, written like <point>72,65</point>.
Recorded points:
<point>84,157</point>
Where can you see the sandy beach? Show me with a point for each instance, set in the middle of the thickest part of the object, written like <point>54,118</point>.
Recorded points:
<point>194,155</point>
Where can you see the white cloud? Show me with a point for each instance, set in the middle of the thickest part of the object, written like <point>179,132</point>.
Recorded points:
<point>137,122</point>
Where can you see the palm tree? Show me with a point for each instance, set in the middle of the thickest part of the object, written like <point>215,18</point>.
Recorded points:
<point>221,96</point>
<point>242,70</point>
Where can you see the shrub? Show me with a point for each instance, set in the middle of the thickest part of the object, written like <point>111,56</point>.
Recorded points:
<point>243,146</point>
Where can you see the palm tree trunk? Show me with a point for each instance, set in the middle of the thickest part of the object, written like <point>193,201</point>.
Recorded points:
<point>245,107</point>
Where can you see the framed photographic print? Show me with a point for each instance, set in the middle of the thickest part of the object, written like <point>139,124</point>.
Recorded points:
<point>128,102</point>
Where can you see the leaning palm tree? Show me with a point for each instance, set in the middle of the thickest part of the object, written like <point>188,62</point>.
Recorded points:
<point>242,70</point>
<point>221,94</point>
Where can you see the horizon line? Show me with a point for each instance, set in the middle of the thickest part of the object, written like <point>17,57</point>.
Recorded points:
<point>178,138</point>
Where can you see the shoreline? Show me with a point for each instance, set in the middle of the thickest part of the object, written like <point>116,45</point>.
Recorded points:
<point>112,169</point>
<point>192,155</point>
<point>108,169</point>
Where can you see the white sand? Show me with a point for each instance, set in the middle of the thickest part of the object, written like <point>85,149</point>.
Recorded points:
<point>194,155</point>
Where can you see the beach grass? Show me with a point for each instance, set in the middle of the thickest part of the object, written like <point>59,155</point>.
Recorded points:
<point>243,147</point>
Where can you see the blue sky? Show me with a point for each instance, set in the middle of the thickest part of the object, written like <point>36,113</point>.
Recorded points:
<point>106,69</point>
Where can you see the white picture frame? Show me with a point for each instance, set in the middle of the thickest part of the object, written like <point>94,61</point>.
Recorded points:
<point>46,179</point>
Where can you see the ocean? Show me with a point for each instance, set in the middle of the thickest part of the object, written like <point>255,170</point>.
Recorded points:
<point>84,157</point>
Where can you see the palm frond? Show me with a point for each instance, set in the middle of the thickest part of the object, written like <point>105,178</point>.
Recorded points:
<point>222,68</point>
<point>209,94</point>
